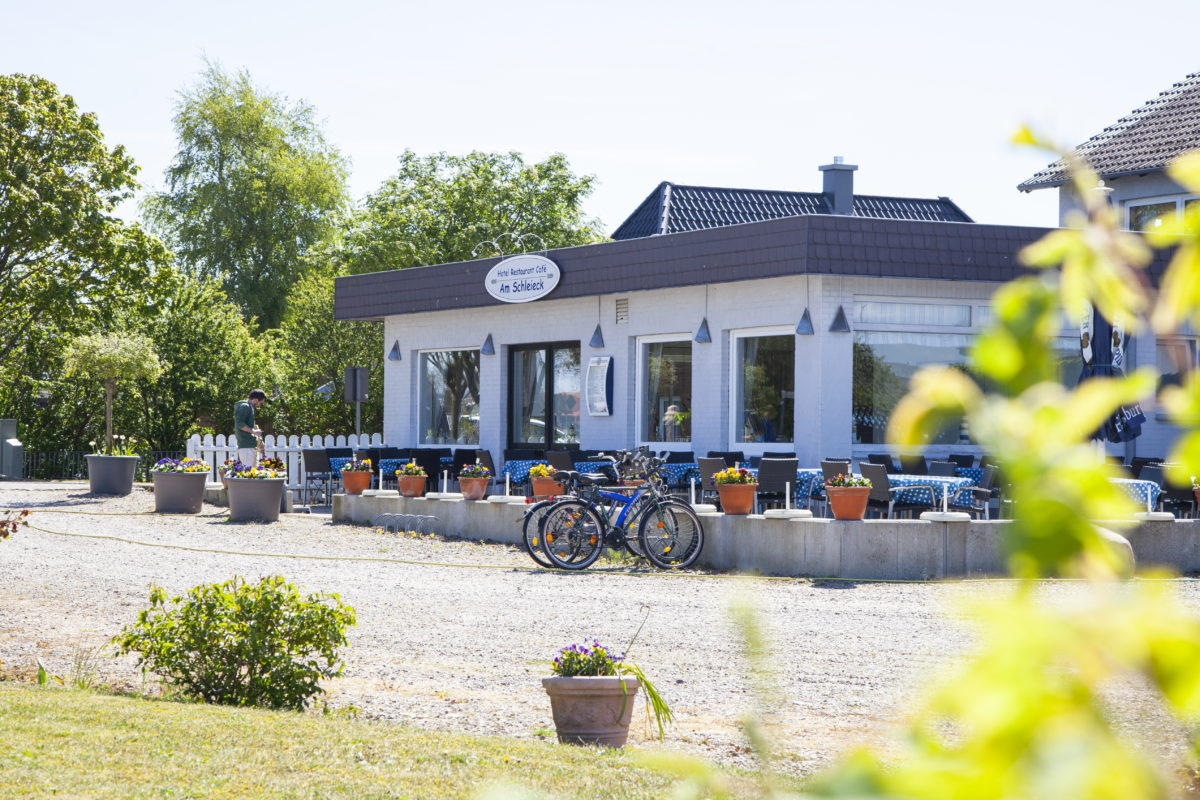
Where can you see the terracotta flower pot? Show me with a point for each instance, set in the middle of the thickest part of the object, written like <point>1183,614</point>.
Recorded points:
<point>179,492</point>
<point>737,498</point>
<point>848,502</point>
<point>255,498</point>
<point>355,481</point>
<point>545,487</point>
<point>592,710</point>
<point>411,485</point>
<point>473,488</point>
<point>111,474</point>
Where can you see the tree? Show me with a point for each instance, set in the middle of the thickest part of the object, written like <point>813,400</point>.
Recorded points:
<point>253,186</point>
<point>110,358</point>
<point>313,350</point>
<point>210,361</point>
<point>65,260</point>
<point>440,208</point>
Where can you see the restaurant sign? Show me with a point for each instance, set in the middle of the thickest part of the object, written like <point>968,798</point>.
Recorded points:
<point>522,278</point>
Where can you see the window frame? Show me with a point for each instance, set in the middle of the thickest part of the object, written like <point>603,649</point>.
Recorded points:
<point>734,372</point>
<point>420,386</point>
<point>1180,201</point>
<point>548,348</point>
<point>640,390</point>
<point>1192,342</point>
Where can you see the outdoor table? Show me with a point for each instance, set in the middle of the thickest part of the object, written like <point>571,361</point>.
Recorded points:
<point>518,471</point>
<point>807,481</point>
<point>974,473</point>
<point>390,465</point>
<point>681,473</point>
<point>953,485</point>
<point>1139,491</point>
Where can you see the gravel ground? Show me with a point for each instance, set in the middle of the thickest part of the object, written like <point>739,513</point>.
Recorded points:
<point>454,635</point>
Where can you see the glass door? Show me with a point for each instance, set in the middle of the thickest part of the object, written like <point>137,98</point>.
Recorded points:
<point>544,398</point>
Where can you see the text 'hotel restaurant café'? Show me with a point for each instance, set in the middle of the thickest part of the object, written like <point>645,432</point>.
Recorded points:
<point>717,319</point>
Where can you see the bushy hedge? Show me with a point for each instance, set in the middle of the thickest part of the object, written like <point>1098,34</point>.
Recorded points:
<point>237,643</point>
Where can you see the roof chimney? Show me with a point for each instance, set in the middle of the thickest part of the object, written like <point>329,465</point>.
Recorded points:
<point>839,185</point>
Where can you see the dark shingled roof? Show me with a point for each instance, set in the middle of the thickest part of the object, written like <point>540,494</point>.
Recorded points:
<point>815,245</point>
<point>1144,141</point>
<point>672,208</point>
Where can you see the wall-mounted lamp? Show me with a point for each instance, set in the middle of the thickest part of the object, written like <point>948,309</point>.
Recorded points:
<point>395,354</point>
<point>325,390</point>
<point>840,324</point>
<point>702,334</point>
<point>597,338</point>
<point>805,328</point>
<point>488,348</point>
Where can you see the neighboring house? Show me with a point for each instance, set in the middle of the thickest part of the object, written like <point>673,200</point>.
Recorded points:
<point>1132,155</point>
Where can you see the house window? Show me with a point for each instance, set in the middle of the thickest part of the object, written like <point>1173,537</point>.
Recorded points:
<point>937,314</point>
<point>1147,216</point>
<point>543,395</point>
<point>1175,357</point>
<point>885,361</point>
<point>449,399</point>
<point>764,385</point>
<point>666,372</point>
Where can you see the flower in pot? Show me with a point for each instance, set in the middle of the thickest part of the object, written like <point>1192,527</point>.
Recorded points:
<point>848,496</point>
<point>255,492</point>
<point>473,480</point>
<point>223,470</point>
<point>356,476</point>
<point>592,693</point>
<point>542,484</point>
<point>737,488</point>
<point>411,479</point>
<point>110,358</point>
<point>179,485</point>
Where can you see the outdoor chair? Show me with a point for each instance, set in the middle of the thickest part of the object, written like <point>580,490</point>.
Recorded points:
<point>730,457</point>
<point>484,458</point>
<point>776,477</point>
<point>560,460</point>
<point>681,457</point>
<point>980,502</point>
<point>884,460</point>
<point>1155,474</point>
<point>883,494</point>
<point>830,469</point>
<point>521,454</point>
<point>708,467</point>
<point>316,475</point>
<point>463,456</point>
<point>431,462</point>
<point>1138,462</point>
<point>335,477</point>
<point>963,460</point>
<point>944,469</point>
<point>1178,498</point>
<point>913,465</point>
<point>779,455</point>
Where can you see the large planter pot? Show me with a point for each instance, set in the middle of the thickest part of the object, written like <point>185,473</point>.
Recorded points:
<point>592,710</point>
<point>848,502</point>
<point>355,481</point>
<point>737,498</point>
<point>473,488</point>
<point>411,485</point>
<point>255,498</point>
<point>179,492</point>
<point>545,487</point>
<point>111,474</point>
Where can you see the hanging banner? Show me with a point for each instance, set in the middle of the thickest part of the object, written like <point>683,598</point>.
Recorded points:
<point>521,279</point>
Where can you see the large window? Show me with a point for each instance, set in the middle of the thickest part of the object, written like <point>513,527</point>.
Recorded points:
<point>543,395</point>
<point>666,370</point>
<point>1176,357</point>
<point>449,397</point>
<point>1148,215</point>
<point>764,386</point>
<point>885,361</point>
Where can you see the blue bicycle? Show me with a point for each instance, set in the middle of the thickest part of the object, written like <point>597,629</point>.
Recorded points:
<point>575,531</point>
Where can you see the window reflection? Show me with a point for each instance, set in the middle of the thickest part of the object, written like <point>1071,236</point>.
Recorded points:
<point>765,407</point>
<point>667,367</point>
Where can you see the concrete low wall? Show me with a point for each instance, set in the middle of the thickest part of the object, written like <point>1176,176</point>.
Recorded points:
<point>817,548</point>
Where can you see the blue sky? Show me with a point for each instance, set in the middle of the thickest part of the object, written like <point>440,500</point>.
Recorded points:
<point>922,96</point>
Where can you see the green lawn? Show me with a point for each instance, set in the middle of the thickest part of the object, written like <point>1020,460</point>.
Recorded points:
<point>74,743</point>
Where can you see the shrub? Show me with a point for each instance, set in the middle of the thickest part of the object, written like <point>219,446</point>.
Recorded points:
<point>242,644</point>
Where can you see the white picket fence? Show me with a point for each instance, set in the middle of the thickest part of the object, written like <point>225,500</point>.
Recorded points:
<point>215,449</point>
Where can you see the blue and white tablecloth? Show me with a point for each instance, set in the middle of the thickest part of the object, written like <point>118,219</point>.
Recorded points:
<point>518,471</point>
<point>974,473</point>
<point>807,481</point>
<point>1139,491</point>
<point>953,485</point>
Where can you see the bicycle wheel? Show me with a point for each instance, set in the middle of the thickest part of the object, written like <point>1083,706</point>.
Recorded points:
<point>531,536</point>
<point>671,535</point>
<point>572,535</point>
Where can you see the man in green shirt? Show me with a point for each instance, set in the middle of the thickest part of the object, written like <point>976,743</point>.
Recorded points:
<point>243,426</point>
